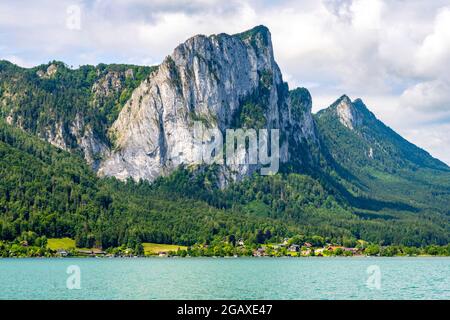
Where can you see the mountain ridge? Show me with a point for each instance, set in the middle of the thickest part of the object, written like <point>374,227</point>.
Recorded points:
<point>360,110</point>
<point>343,173</point>
<point>222,80</point>
<point>382,164</point>
<point>246,35</point>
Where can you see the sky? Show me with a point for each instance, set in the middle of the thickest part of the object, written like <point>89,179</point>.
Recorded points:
<point>393,54</point>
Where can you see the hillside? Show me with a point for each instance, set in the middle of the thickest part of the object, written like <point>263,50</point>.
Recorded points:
<point>53,193</point>
<point>70,108</point>
<point>376,162</point>
<point>104,155</point>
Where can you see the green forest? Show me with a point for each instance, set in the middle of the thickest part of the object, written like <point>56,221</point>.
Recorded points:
<point>397,196</point>
<point>55,194</point>
<point>38,101</point>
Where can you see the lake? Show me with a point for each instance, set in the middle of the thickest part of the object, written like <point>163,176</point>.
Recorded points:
<point>226,278</point>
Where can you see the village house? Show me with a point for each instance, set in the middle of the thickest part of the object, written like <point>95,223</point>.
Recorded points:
<point>294,248</point>
<point>333,248</point>
<point>319,251</point>
<point>62,253</point>
<point>306,252</point>
<point>93,252</point>
<point>259,252</point>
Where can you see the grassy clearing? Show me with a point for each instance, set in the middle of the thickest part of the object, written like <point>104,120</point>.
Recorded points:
<point>63,243</point>
<point>149,248</point>
<point>155,248</point>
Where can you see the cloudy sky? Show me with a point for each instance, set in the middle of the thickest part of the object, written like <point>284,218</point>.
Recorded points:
<point>395,54</point>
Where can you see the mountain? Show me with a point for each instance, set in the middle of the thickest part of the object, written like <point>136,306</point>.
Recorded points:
<point>131,121</point>
<point>223,81</point>
<point>107,154</point>
<point>374,161</point>
<point>54,193</point>
<point>70,108</point>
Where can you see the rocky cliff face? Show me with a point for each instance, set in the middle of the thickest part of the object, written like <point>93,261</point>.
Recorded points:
<point>79,135</point>
<point>347,113</point>
<point>70,108</point>
<point>150,115</point>
<point>223,81</point>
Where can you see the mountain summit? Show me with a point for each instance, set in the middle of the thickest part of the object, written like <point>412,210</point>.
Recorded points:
<point>372,156</point>
<point>224,81</point>
<point>347,113</point>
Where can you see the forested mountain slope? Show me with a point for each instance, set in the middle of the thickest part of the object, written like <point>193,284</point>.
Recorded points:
<point>53,193</point>
<point>70,108</point>
<point>374,161</point>
<point>343,174</point>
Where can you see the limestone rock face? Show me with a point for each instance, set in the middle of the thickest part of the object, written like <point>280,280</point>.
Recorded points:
<point>108,84</point>
<point>51,70</point>
<point>347,113</point>
<point>92,147</point>
<point>222,81</point>
<point>89,143</point>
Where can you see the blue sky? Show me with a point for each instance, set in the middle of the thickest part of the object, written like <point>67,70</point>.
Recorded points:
<point>395,54</point>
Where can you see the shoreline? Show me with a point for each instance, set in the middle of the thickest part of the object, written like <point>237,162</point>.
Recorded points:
<point>66,248</point>
<point>227,258</point>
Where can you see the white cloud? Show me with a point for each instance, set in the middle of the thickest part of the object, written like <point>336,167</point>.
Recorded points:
<point>366,14</point>
<point>19,61</point>
<point>430,96</point>
<point>435,50</point>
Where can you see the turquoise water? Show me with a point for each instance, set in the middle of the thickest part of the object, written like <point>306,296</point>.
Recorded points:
<point>222,278</point>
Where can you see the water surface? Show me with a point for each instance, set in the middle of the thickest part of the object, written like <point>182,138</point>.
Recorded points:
<point>226,278</point>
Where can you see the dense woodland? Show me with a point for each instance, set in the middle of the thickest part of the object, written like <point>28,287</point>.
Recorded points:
<point>55,194</point>
<point>400,196</point>
<point>37,101</point>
